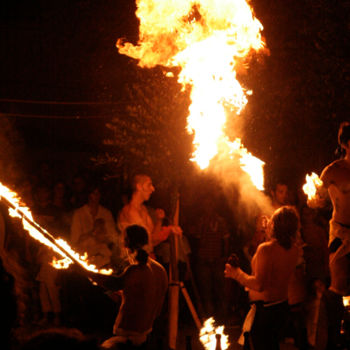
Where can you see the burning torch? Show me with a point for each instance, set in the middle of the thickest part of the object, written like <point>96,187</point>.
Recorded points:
<point>316,193</point>
<point>16,209</point>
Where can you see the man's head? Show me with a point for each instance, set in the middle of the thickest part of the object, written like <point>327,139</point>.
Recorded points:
<point>280,194</point>
<point>285,225</point>
<point>143,186</point>
<point>136,238</point>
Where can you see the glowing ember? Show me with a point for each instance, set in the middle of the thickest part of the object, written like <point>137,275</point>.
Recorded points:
<point>208,40</point>
<point>208,333</point>
<point>39,233</point>
<point>312,183</point>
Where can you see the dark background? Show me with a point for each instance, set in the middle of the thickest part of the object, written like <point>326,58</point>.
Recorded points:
<point>64,51</point>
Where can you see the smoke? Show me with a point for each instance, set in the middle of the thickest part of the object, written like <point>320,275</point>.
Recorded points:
<point>245,200</point>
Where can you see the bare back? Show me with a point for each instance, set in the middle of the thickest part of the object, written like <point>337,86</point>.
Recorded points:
<point>336,178</point>
<point>144,291</point>
<point>273,266</point>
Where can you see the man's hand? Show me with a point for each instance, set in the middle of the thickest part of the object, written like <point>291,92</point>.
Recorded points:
<point>231,271</point>
<point>319,200</point>
<point>316,202</point>
<point>115,296</point>
<point>160,214</point>
<point>177,230</point>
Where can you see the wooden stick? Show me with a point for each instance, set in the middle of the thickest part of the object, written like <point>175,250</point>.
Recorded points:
<point>190,306</point>
<point>174,284</point>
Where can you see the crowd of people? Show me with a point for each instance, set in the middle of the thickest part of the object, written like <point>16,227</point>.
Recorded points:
<point>288,283</point>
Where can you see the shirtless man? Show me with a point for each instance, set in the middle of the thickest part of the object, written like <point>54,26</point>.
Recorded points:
<point>336,183</point>
<point>143,287</point>
<point>136,213</point>
<point>273,265</point>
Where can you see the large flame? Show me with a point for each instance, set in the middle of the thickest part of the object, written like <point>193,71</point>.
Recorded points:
<point>39,233</point>
<point>207,39</point>
<point>207,335</point>
<point>313,182</point>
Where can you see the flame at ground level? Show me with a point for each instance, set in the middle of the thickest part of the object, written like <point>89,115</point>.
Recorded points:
<point>208,333</point>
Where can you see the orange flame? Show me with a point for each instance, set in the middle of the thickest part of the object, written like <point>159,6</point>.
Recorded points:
<point>207,39</point>
<point>313,182</point>
<point>207,335</point>
<point>39,233</point>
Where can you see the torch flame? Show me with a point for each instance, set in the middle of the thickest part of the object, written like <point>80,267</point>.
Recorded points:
<point>346,301</point>
<point>208,333</point>
<point>312,183</point>
<point>208,39</point>
<point>60,246</point>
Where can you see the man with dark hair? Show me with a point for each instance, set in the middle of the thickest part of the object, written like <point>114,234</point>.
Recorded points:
<point>336,183</point>
<point>84,218</point>
<point>143,287</point>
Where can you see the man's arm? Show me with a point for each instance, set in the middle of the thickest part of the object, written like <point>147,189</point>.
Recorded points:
<point>256,281</point>
<point>158,234</point>
<point>111,283</point>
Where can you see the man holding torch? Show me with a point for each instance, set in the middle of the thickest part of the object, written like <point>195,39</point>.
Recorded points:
<point>136,213</point>
<point>336,183</point>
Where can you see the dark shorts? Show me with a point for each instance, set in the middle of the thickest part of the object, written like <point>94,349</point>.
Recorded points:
<point>268,325</point>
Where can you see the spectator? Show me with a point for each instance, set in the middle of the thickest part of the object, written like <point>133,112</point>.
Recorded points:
<point>79,191</point>
<point>213,234</point>
<point>279,195</point>
<point>84,303</point>
<point>84,217</point>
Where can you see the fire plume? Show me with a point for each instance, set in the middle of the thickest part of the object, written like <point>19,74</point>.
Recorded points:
<point>313,182</point>
<point>208,332</point>
<point>208,40</point>
<point>19,210</point>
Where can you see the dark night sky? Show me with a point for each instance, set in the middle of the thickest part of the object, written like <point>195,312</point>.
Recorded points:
<point>64,50</point>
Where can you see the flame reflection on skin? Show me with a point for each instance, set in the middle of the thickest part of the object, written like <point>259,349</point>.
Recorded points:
<point>312,183</point>
<point>208,333</point>
<point>209,40</point>
<point>59,246</point>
